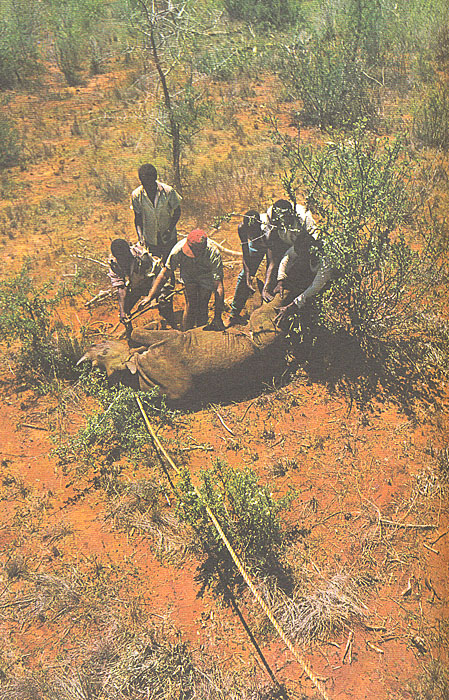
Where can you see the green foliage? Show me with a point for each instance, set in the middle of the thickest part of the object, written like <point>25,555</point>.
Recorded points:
<point>248,514</point>
<point>68,53</point>
<point>19,31</point>
<point>117,428</point>
<point>386,290</point>
<point>330,80</point>
<point>76,26</point>
<point>270,13</point>
<point>191,109</point>
<point>47,349</point>
<point>431,118</point>
<point>224,62</point>
<point>9,144</point>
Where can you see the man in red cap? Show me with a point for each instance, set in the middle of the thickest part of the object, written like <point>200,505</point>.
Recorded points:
<point>201,271</point>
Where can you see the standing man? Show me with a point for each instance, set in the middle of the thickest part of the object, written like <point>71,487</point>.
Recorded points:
<point>201,271</point>
<point>254,243</point>
<point>132,271</point>
<point>156,212</point>
<point>282,224</point>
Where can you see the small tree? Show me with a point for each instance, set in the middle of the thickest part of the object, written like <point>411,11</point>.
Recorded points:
<point>171,30</point>
<point>386,288</point>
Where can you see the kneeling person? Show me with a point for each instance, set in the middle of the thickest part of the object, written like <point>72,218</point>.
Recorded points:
<point>201,271</point>
<point>132,271</point>
<point>303,269</point>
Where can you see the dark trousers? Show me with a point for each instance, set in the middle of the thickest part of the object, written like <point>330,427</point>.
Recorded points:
<point>242,291</point>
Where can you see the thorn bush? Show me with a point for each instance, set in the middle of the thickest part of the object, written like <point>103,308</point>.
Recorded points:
<point>249,515</point>
<point>45,349</point>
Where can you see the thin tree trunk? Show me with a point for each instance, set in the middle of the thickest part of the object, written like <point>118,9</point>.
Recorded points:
<point>174,126</point>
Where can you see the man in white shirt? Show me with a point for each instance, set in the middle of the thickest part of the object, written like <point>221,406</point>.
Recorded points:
<point>157,208</point>
<point>282,224</point>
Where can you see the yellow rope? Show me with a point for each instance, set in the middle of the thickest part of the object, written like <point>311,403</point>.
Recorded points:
<point>298,656</point>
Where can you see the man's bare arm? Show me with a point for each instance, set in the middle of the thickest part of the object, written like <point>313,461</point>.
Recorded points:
<point>158,283</point>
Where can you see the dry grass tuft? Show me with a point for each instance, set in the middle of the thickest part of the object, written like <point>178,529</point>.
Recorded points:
<point>319,615</point>
<point>146,661</point>
<point>141,510</point>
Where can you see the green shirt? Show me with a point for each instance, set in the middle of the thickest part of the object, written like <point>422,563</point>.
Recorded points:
<point>156,216</point>
<point>204,269</point>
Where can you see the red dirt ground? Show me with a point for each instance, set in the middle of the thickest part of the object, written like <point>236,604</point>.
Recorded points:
<point>353,467</point>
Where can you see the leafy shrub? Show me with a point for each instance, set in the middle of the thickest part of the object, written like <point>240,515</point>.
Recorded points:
<point>68,53</point>
<point>19,25</point>
<point>9,144</point>
<point>248,514</point>
<point>441,43</point>
<point>116,428</point>
<point>48,350</point>
<point>431,118</point>
<point>75,25</point>
<point>386,291</point>
<point>330,80</point>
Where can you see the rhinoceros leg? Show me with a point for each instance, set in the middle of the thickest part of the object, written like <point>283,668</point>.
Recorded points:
<point>161,365</point>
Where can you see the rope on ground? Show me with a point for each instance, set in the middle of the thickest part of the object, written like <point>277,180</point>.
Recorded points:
<point>297,655</point>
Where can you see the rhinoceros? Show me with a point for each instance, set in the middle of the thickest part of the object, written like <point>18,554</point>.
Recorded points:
<point>198,360</point>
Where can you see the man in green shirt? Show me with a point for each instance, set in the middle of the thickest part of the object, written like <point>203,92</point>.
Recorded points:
<point>201,271</point>
<point>157,210</point>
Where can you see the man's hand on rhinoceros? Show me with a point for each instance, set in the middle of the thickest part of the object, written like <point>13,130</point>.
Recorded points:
<point>266,295</point>
<point>249,283</point>
<point>143,302</point>
<point>279,288</point>
<point>215,325</point>
<point>284,311</point>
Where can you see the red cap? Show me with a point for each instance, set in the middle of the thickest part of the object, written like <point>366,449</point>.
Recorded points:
<point>195,242</point>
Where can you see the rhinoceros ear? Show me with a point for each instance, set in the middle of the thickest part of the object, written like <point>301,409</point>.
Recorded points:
<point>131,364</point>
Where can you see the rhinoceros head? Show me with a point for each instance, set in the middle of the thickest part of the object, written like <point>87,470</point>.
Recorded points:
<point>111,355</point>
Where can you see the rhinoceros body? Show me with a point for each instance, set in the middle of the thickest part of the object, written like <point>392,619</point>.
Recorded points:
<point>181,363</point>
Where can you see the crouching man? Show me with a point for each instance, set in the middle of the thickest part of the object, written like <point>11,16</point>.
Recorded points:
<point>201,270</point>
<point>132,271</point>
<point>303,272</point>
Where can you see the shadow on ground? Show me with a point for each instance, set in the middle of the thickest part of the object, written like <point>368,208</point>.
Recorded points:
<point>384,371</point>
